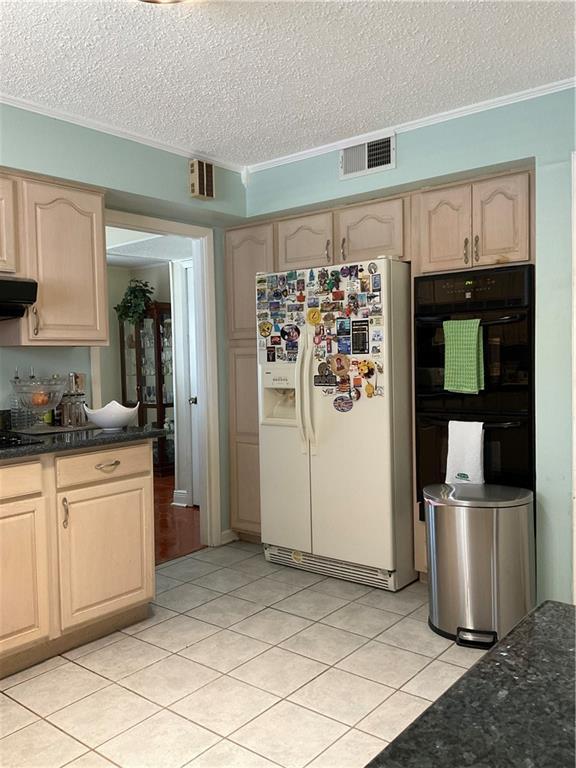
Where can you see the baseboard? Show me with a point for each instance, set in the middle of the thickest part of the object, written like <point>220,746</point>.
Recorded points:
<point>228,536</point>
<point>182,499</point>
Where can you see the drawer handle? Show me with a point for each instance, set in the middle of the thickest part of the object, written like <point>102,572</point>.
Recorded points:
<point>477,248</point>
<point>36,320</point>
<point>108,465</point>
<point>466,250</point>
<point>327,250</point>
<point>66,512</point>
<point>342,251</point>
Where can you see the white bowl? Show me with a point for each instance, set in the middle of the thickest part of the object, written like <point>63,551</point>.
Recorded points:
<point>112,416</point>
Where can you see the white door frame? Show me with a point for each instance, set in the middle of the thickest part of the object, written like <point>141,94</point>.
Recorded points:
<point>574,377</point>
<point>210,519</point>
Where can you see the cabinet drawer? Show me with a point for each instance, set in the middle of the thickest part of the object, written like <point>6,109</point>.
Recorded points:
<point>20,480</point>
<point>105,465</point>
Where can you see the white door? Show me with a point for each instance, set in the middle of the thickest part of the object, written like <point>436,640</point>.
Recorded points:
<point>185,306</point>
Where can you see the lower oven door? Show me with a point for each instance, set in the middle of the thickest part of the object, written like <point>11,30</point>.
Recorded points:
<point>508,450</point>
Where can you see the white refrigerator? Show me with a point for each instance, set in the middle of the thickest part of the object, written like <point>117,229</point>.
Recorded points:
<point>334,355</point>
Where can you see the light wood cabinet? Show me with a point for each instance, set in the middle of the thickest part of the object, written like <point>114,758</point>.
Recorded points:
<point>446,229</point>
<point>8,225</point>
<point>475,225</point>
<point>500,217</point>
<point>244,458</point>
<point>368,231</point>
<point>61,238</point>
<point>304,242</point>
<point>248,251</point>
<point>104,542</point>
<point>24,593</point>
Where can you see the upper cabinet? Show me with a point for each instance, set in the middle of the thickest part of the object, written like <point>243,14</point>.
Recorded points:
<point>305,242</point>
<point>248,251</point>
<point>368,231</point>
<point>500,217</point>
<point>475,225</point>
<point>445,229</point>
<point>8,225</point>
<point>62,248</point>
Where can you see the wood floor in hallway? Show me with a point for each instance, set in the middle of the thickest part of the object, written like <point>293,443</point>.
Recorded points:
<point>176,529</point>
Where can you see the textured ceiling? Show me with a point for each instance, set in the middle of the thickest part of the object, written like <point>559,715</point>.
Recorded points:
<point>245,82</point>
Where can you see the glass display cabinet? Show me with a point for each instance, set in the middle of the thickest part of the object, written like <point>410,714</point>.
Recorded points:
<point>147,377</point>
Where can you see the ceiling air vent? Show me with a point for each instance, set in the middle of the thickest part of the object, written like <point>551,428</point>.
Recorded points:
<point>201,182</point>
<point>365,158</point>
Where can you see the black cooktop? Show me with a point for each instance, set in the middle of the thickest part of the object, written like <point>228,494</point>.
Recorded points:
<point>12,440</point>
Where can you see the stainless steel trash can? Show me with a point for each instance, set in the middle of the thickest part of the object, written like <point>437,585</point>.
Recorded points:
<point>480,560</point>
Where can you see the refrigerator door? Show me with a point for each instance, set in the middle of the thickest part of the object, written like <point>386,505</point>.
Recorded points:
<point>284,460</point>
<point>351,461</point>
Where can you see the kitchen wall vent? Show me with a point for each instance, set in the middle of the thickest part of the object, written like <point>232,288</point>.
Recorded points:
<point>201,180</point>
<point>369,157</point>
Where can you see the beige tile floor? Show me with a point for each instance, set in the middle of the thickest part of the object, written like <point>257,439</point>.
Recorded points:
<point>242,664</point>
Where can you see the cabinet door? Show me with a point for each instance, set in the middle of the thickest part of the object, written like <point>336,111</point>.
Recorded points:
<point>244,459</point>
<point>106,550</point>
<point>248,251</point>
<point>369,231</point>
<point>305,242</point>
<point>24,596</point>
<point>8,231</point>
<point>64,252</point>
<point>500,215</point>
<point>446,229</point>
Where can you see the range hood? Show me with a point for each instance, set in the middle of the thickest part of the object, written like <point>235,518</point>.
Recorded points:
<point>16,295</point>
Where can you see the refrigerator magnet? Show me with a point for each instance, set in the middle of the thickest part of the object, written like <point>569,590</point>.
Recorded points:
<point>340,364</point>
<point>369,389</point>
<point>376,282</point>
<point>343,403</point>
<point>344,347</point>
<point>275,340</point>
<point>344,271</point>
<point>313,316</point>
<point>290,332</point>
<point>270,355</point>
<point>265,328</point>
<point>372,267</point>
<point>355,394</point>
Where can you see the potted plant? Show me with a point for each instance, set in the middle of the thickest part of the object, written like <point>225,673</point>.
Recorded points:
<point>135,302</point>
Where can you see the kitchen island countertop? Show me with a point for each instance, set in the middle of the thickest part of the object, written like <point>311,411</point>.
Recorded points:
<point>513,709</point>
<point>78,440</point>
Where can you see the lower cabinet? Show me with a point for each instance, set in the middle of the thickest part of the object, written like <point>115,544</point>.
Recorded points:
<point>104,542</point>
<point>24,581</point>
<point>244,452</point>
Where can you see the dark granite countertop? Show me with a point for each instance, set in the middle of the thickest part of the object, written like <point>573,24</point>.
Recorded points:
<point>513,709</point>
<point>77,441</point>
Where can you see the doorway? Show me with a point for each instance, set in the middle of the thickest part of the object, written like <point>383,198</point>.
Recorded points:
<point>177,260</point>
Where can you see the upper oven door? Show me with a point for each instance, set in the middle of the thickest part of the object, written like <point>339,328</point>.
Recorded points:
<point>508,368</point>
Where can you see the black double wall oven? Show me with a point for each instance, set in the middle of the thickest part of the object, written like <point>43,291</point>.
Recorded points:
<point>503,299</point>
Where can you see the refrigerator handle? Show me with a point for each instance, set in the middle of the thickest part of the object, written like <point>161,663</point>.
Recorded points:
<point>299,398</point>
<point>309,356</point>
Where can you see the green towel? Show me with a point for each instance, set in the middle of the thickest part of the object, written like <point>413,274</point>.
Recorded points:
<point>464,359</point>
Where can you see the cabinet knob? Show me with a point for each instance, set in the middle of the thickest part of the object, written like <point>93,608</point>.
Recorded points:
<point>342,251</point>
<point>327,250</point>
<point>193,400</point>
<point>66,512</point>
<point>477,248</point>
<point>466,257</point>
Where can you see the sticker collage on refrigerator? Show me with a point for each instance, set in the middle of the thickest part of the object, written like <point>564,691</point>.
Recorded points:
<point>343,306</point>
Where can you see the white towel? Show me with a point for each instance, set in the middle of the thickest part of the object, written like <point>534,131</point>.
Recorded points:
<point>465,463</point>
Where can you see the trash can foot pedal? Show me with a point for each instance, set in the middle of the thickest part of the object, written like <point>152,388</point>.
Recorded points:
<point>475,638</point>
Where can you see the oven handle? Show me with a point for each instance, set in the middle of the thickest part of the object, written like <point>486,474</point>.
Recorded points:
<point>487,425</point>
<point>438,321</point>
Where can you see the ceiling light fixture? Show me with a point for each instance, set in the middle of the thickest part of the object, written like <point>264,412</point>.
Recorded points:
<point>163,2</point>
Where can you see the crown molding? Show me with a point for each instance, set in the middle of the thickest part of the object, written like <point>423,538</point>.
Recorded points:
<point>247,170</point>
<point>95,125</point>
<point>413,125</point>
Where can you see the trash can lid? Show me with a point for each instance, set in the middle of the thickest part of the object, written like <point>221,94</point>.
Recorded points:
<point>471,495</point>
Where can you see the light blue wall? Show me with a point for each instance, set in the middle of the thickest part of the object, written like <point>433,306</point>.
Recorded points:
<point>542,129</point>
<point>32,142</point>
<point>146,180</point>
